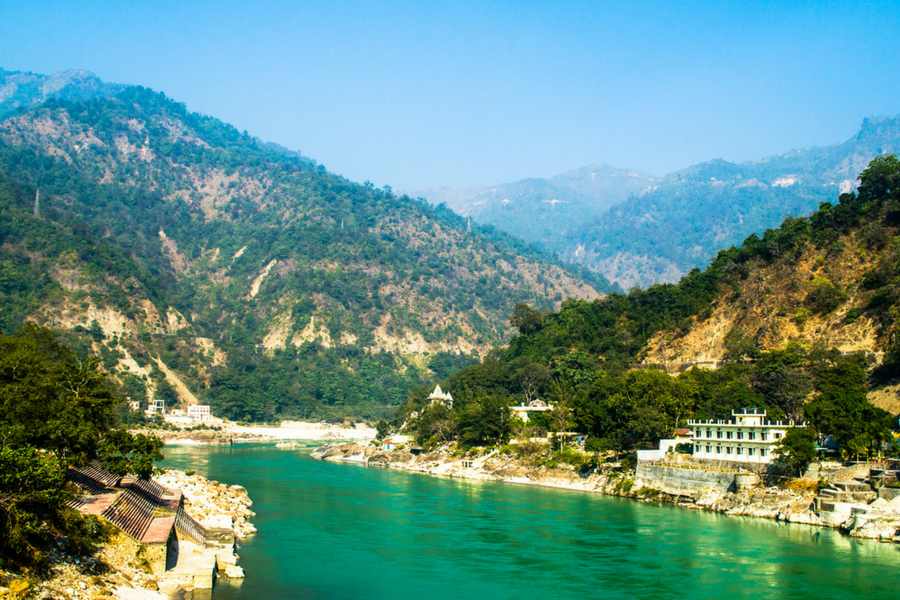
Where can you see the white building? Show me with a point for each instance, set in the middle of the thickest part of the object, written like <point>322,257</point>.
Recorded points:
<point>534,406</point>
<point>439,395</point>
<point>156,407</point>
<point>747,437</point>
<point>199,412</point>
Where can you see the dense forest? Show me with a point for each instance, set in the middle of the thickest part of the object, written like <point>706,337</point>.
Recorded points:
<point>585,358</point>
<point>171,246</point>
<point>58,411</point>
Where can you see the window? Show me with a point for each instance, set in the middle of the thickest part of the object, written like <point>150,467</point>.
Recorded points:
<point>718,449</point>
<point>762,451</point>
<point>727,449</point>
<point>777,435</point>
<point>708,449</point>
<point>751,435</point>
<point>751,451</point>
<point>719,434</point>
<point>709,433</point>
<point>764,436</point>
<point>697,448</point>
<point>730,435</point>
<point>739,451</point>
<point>740,435</point>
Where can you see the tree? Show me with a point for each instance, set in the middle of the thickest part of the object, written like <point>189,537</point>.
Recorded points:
<point>526,319</point>
<point>122,452</point>
<point>796,449</point>
<point>484,421</point>
<point>880,180</point>
<point>51,398</point>
<point>842,409</point>
<point>532,378</point>
<point>382,429</point>
<point>31,494</point>
<point>779,376</point>
<point>739,345</point>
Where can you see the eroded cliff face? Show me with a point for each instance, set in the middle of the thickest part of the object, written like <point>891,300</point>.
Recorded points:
<point>774,306</point>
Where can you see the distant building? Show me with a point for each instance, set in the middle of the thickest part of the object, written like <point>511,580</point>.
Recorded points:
<point>534,406</point>
<point>199,412</point>
<point>156,407</point>
<point>134,404</point>
<point>395,442</point>
<point>747,437</point>
<point>683,436</point>
<point>438,395</point>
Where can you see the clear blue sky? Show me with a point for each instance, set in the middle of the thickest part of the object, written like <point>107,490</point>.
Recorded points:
<point>420,94</point>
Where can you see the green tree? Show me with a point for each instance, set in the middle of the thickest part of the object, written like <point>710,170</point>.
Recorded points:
<point>738,346</point>
<point>526,319</point>
<point>382,429</point>
<point>485,421</point>
<point>31,497</point>
<point>796,449</point>
<point>842,409</point>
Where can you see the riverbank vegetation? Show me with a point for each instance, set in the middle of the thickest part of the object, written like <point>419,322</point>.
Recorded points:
<point>57,412</point>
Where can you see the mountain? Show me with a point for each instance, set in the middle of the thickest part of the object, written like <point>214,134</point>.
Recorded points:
<point>801,321</point>
<point>24,89</point>
<point>547,212</point>
<point>652,230</point>
<point>201,264</point>
<point>691,214</point>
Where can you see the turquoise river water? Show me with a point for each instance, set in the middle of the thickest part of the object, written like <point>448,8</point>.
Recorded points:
<point>342,531</point>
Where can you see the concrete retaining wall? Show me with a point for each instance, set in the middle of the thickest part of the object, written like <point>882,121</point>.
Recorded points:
<point>860,470</point>
<point>683,481</point>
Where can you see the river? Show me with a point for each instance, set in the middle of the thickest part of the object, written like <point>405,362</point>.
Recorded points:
<point>342,531</point>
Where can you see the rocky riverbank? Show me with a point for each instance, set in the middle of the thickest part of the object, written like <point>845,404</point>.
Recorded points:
<point>117,570</point>
<point>793,503</point>
<point>211,502</point>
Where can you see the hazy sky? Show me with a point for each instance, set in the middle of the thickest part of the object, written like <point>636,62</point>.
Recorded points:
<point>420,94</point>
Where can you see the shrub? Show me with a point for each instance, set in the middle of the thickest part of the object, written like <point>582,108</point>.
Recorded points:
<point>594,445</point>
<point>823,297</point>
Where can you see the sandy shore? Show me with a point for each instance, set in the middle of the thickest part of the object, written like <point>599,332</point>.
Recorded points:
<point>301,430</point>
<point>223,432</point>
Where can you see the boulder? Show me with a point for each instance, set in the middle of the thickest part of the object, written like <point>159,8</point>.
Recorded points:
<point>234,572</point>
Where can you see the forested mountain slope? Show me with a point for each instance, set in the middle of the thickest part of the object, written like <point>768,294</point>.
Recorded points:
<point>662,234</point>
<point>200,262</point>
<point>801,321</point>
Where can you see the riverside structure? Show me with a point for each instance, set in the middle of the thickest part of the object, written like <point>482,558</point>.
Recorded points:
<point>747,437</point>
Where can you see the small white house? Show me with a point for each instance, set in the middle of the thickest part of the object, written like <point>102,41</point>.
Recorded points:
<point>747,437</point>
<point>395,441</point>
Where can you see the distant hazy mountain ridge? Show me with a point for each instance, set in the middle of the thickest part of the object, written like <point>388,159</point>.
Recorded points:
<point>638,230</point>
<point>23,89</point>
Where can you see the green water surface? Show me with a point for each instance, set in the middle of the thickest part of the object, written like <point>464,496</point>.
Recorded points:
<point>343,531</point>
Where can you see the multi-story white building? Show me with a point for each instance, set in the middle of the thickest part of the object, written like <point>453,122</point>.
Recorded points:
<point>199,412</point>
<point>747,437</point>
